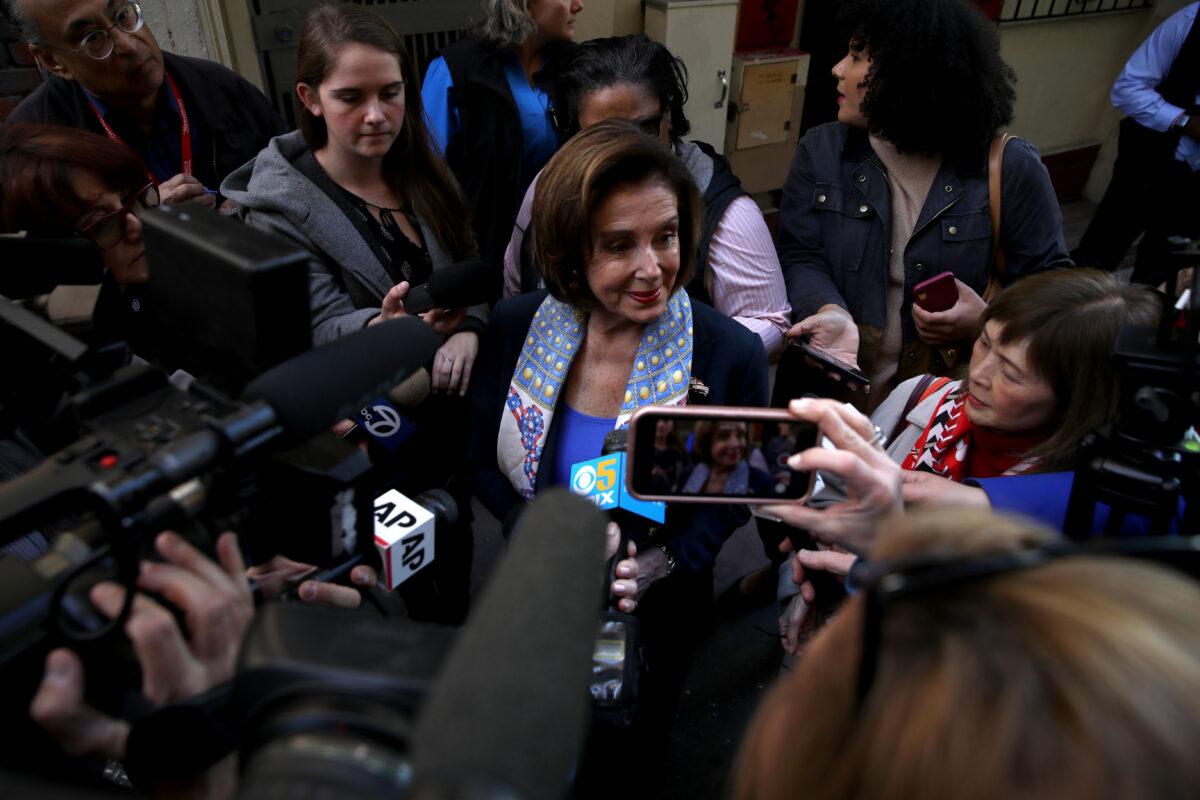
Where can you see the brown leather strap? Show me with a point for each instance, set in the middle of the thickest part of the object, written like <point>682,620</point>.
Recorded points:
<point>995,162</point>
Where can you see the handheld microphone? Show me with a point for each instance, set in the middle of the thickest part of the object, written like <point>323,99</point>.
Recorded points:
<point>458,285</point>
<point>310,392</point>
<point>405,531</point>
<point>507,715</point>
<point>602,481</point>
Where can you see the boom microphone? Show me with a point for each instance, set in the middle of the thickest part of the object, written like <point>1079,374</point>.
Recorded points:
<point>312,391</point>
<point>460,285</point>
<point>289,403</point>
<point>508,712</point>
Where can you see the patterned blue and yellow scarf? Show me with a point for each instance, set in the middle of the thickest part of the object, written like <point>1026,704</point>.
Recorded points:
<point>661,371</point>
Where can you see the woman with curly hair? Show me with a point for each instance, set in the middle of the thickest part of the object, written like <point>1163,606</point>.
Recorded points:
<point>896,192</point>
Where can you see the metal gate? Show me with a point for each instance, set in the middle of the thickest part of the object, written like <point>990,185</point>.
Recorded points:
<point>427,26</point>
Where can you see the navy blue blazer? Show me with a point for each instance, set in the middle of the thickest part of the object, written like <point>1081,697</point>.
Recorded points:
<point>727,358</point>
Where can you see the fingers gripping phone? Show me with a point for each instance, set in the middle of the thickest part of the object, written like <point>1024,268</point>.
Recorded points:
<point>845,372</point>
<point>939,293</point>
<point>727,454</point>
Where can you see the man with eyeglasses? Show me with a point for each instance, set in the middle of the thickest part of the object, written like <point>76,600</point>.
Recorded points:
<point>191,122</point>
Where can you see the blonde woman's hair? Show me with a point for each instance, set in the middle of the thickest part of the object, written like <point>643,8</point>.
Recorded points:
<point>1076,679</point>
<point>506,23</point>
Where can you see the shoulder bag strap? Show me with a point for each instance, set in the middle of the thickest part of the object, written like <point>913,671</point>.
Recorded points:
<point>921,391</point>
<point>995,162</point>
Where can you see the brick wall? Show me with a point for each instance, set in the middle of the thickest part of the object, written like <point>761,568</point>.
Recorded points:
<point>18,73</point>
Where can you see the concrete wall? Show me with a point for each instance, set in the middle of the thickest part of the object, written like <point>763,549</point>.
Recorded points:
<point>176,25</point>
<point>608,18</point>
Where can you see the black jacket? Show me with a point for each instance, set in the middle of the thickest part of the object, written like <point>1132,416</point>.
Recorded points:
<point>485,155</point>
<point>231,120</point>
<point>727,358</point>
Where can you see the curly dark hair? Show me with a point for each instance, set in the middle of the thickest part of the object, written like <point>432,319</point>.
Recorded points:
<point>936,83</point>
<point>637,60</point>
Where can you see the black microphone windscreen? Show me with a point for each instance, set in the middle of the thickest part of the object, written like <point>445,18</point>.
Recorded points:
<point>315,389</point>
<point>511,704</point>
<point>460,285</point>
<point>616,441</point>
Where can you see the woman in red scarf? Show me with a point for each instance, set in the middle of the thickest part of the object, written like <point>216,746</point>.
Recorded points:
<point>1040,378</point>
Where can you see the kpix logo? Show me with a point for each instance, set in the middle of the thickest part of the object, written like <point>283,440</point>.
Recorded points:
<point>597,480</point>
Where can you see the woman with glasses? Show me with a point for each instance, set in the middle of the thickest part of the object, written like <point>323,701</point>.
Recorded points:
<point>188,122</point>
<point>982,658</point>
<point>57,181</point>
<point>634,78</point>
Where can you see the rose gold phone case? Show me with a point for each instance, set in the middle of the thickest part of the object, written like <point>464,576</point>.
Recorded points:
<point>738,413</point>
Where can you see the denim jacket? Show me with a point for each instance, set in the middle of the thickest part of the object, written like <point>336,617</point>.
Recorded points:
<point>836,216</point>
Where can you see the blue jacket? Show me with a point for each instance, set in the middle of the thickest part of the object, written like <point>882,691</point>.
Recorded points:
<point>835,225</point>
<point>1045,496</point>
<point>727,358</point>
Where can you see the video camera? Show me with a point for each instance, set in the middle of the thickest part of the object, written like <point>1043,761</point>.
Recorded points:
<point>1145,464</point>
<point>142,454</point>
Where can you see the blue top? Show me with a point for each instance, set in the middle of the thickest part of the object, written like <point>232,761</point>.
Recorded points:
<point>1044,496</point>
<point>580,438</point>
<point>161,152</point>
<point>1134,90</point>
<point>539,138</point>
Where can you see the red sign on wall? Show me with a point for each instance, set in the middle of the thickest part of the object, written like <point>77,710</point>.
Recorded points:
<point>765,23</point>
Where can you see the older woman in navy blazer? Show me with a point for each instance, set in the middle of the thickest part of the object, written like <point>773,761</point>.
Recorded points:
<point>617,220</point>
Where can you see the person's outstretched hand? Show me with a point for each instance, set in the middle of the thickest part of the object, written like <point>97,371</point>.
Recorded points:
<point>872,479</point>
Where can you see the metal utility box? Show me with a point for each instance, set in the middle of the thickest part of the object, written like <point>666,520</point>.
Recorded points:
<point>701,33</point>
<point>767,92</point>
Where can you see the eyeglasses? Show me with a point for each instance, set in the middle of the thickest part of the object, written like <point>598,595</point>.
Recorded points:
<point>110,229</point>
<point>651,126</point>
<point>887,583</point>
<point>99,43</point>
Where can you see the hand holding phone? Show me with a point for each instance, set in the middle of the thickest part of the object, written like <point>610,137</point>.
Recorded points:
<point>956,323</point>
<point>939,293</point>
<point>729,455</point>
<point>843,371</point>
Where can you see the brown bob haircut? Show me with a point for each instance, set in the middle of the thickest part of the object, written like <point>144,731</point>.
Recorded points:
<point>38,164</point>
<point>412,164</point>
<point>1075,680</point>
<point>705,432</point>
<point>577,181</point>
<point>1071,319</point>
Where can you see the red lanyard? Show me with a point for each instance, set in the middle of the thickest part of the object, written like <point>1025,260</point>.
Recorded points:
<point>185,131</point>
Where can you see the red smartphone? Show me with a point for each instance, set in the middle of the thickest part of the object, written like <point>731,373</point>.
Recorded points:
<point>939,293</point>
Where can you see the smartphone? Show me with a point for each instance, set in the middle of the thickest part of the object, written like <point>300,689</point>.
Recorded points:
<point>939,293</point>
<point>847,373</point>
<point>723,454</point>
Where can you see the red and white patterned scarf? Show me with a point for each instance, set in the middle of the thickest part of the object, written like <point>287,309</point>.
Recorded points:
<point>944,447</point>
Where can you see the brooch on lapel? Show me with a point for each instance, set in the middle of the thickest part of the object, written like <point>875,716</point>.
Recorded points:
<point>697,389</point>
